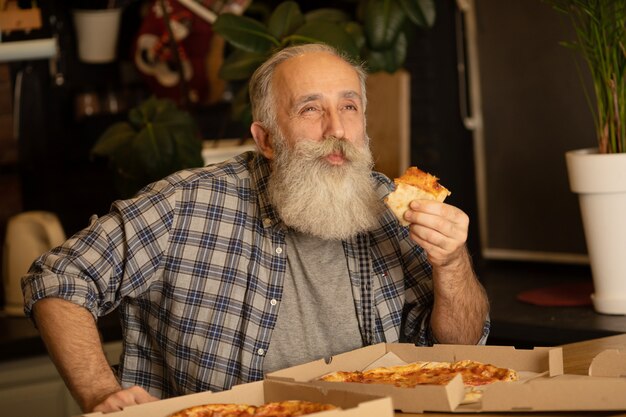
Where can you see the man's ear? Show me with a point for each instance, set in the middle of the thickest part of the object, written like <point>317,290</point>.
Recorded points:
<point>262,138</point>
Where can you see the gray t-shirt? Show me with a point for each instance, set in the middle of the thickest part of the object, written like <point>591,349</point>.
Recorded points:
<point>316,317</point>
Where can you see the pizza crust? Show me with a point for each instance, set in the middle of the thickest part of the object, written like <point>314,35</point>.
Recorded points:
<point>414,184</point>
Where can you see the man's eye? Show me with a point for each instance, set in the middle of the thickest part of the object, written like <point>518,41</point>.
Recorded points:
<point>309,109</point>
<point>350,107</point>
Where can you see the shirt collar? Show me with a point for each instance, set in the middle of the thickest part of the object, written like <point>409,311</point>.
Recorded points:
<point>260,170</point>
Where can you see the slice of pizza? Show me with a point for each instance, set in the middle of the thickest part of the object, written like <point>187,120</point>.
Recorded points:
<point>291,408</point>
<point>414,184</point>
<point>476,373</point>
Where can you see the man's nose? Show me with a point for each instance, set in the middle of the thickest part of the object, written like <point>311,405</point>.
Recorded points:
<point>333,124</point>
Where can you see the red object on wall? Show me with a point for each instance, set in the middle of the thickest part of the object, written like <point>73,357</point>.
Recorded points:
<point>154,58</point>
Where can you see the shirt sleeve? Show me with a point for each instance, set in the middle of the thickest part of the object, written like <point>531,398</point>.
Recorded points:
<point>114,257</point>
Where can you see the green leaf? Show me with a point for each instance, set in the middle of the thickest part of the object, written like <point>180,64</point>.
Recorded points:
<point>137,116</point>
<point>420,12</point>
<point>383,21</point>
<point>241,109</point>
<point>151,147</point>
<point>125,163</point>
<point>375,61</point>
<point>398,53</point>
<point>285,20</point>
<point>261,11</point>
<point>245,33</point>
<point>174,119</point>
<point>116,136</point>
<point>327,14</point>
<point>188,152</point>
<point>149,111</point>
<point>329,33</point>
<point>240,65</point>
<point>355,30</point>
<point>389,60</point>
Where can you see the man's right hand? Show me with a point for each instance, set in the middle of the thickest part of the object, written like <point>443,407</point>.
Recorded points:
<point>123,398</point>
<point>71,336</point>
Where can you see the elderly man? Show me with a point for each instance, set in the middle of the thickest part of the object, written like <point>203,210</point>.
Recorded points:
<point>265,261</point>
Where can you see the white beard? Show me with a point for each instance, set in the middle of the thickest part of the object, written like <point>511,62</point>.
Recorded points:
<point>324,200</point>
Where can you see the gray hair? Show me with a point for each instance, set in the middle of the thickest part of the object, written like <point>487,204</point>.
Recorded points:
<point>260,88</point>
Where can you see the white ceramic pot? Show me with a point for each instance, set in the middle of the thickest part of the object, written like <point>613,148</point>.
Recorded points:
<point>97,32</point>
<point>600,182</point>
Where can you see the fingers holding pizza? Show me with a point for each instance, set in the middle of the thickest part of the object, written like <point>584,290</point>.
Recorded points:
<point>439,228</point>
<point>460,305</point>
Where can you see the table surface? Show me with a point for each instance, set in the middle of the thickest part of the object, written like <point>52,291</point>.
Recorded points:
<point>576,360</point>
<point>515,323</point>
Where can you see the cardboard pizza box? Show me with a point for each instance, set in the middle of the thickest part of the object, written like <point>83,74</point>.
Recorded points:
<point>603,389</point>
<point>257,393</point>
<point>610,362</point>
<point>562,393</point>
<point>535,363</point>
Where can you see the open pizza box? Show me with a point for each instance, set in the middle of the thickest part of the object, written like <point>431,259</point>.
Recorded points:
<point>257,393</point>
<point>538,363</point>
<point>603,389</point>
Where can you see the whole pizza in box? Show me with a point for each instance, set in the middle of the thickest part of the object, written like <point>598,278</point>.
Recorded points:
<point>291,408</point>
<point>474,374</point>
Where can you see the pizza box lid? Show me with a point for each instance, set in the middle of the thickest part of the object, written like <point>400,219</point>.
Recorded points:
<point>256,393</point>
<point>541,361</point>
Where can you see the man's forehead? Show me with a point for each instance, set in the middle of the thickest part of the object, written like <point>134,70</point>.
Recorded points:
<point>312,74</point>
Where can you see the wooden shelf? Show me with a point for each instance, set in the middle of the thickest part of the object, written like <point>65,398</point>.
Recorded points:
<point>13,18</point>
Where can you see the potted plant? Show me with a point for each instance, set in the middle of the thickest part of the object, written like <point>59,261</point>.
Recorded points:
<point>97,26</point>
<point>157,140</point>
<point>375,32</point>
<point>598,174</point>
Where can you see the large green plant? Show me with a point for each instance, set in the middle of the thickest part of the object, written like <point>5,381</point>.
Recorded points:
<point>375,32</point>
<point>600,27</point>
<point>157,140</point>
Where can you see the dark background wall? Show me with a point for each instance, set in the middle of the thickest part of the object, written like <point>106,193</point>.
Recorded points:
<point>56,173</point>
<point>439,141</point>
<point>49,167</point>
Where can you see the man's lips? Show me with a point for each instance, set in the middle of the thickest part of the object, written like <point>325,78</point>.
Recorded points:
<point>336,158</point>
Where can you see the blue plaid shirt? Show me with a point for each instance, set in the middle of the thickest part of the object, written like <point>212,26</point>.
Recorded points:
<point>196,264</point>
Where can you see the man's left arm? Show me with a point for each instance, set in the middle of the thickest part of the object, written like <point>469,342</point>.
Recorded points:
<point>460,308</point>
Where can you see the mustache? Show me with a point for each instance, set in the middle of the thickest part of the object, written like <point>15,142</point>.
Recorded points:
<point>329,145</point>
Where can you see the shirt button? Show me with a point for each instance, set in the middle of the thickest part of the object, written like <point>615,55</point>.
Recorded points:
<point>279,250</point>
<point>267,221</point>
<point>273,301</point>
<point>261,352</point>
